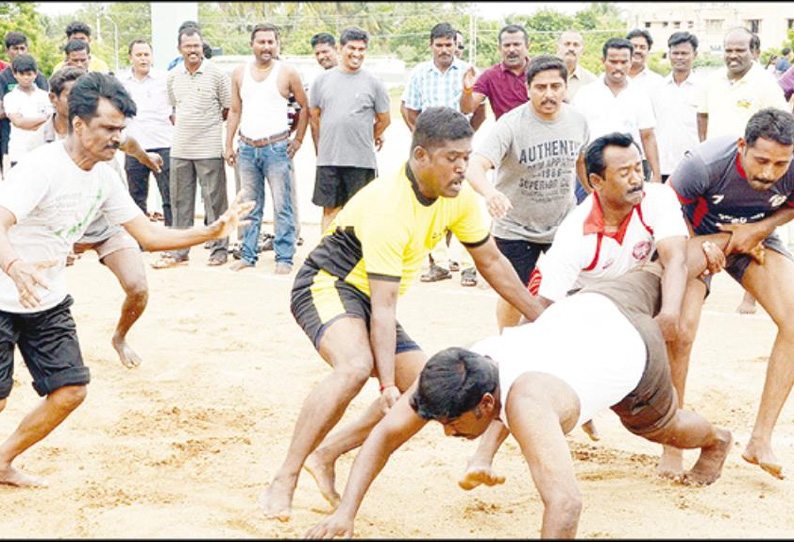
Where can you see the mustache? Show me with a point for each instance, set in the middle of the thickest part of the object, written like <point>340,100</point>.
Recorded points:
<point>636,189</point>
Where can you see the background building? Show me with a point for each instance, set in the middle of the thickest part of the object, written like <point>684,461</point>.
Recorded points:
<point>710,20</point>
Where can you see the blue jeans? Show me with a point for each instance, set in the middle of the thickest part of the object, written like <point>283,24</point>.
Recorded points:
<point>256,164</point>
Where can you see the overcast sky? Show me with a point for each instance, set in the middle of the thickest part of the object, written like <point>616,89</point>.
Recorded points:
<point>489,10</point>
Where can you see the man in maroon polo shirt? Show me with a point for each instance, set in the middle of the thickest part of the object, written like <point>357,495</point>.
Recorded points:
<point>504,84</point>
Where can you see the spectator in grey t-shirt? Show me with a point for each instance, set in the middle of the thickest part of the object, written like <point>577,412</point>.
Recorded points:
<point>538,150</point>
<point>352,106</point>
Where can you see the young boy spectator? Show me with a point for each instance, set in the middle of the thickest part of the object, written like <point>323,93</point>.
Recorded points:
<point>27,107</point>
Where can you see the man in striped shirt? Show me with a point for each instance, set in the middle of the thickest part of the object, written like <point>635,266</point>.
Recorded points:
<point>200,93</point>
<point>439,83</point>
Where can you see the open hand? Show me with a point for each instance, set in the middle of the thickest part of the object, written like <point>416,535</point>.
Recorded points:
<point>498,204</point>
<point>27,278</point>
<point>232,219</point>
<point>469,78</point>
<point>745,238</point>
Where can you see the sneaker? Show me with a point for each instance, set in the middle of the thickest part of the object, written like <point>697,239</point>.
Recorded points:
<point>435,273</point>
<point>468,277</point>
<point>454,266</point>
<point>283,268</point>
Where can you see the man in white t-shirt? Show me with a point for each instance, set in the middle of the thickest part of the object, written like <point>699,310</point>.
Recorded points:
<point>47,202</point>
<point>542,385</point>
<point>613,103</point>
<point>116,249</point>
<point>27,107</point>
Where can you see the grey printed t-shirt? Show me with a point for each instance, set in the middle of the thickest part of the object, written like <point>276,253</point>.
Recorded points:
<point>348,102</point>
<point>536,169</point>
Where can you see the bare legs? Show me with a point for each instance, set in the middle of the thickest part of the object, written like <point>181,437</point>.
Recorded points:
<point>329,213</point>
<point>772,284</point>
<point>747,306</point>
<point>34,427</point>
<point>671,464</point>
<point>345,346</point>
<point>128,267</point>
<point>689,430</point>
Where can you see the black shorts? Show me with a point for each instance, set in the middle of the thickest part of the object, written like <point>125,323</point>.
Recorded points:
<point>523,255</point>
<point>48,343</point>
<point>319,299</point>
<point>334,186</point>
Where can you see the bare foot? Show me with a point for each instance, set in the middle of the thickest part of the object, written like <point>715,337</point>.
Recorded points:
<point>709,465</point>
<point>759,453</point>
<point>325,477</point>
<point>276,500</point>
<point>127,355</point>
<point>479,474</point>
<point>747,306</point>
<point>671,464</point>
<point>15,477</point>
<point>591,430</point>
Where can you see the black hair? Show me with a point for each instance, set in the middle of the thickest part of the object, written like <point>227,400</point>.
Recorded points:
<point>770,123</point>
<point>594,155</point>
<point>755,41</point>
<point>76,45</point>
<point>543,63</point>
<point>87,91</point>
<point>188,30</point>
<point>785,51</point>
<point>138,41</point>
<point>353,33</point>
<point>64,75</point>
<point>641,33</point>
<point>265,27</point>
<point>617,43</point>
<point>24,63</point>
<point>322,37</point>
<point>77,27</point>
<point>677,38</point>
<point>15,38</point>
<point>435,125</point>
<point>453,382</point>
<point>512,29</point>
<point>206,49</point>
<point>442,30</point>
<point>188,24</point>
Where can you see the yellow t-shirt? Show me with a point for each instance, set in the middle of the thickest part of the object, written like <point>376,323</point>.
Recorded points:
<point>388,228</point>
<point>95,65</point>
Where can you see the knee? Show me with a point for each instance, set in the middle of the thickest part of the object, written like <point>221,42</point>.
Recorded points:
<point>137,291</point>
<point>355,375</point>
<point>566,507</point>
<point>69,397</point>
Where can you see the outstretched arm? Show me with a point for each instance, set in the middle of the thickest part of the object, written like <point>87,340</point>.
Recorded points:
<point>155,238</point>
<point>399,425</point>
<point>495,268</point>
<point>152,160</point>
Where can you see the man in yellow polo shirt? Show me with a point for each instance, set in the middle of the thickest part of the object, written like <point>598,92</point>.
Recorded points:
<point>732,95</point>
<point>345,295</point>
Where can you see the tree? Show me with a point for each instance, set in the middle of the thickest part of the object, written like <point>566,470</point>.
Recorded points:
<point>23,17</point>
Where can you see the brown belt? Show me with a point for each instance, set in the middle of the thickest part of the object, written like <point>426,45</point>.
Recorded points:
<point>265,140</point>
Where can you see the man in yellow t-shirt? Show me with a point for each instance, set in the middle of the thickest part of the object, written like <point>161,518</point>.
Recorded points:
<point>345,295</point>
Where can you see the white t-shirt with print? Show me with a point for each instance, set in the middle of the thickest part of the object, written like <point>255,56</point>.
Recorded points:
<point>54,201</point>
